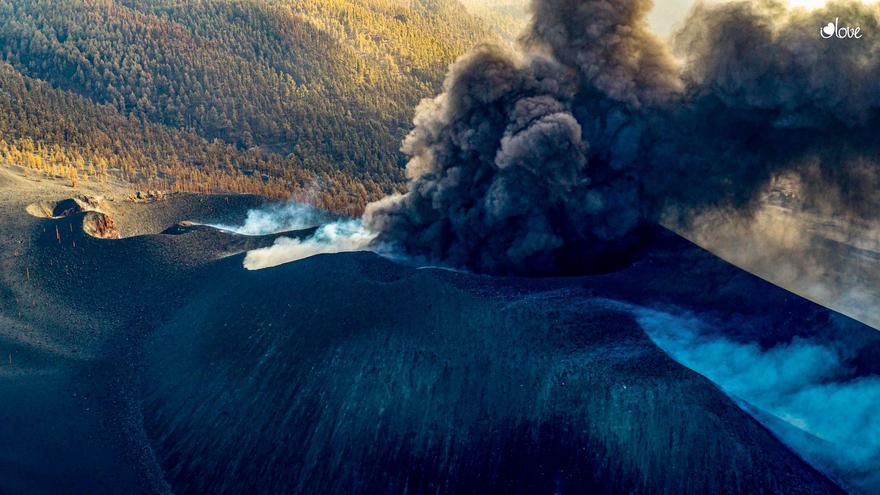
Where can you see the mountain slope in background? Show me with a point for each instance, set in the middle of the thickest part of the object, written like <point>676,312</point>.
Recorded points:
<point>507,17</point>
<point>324,86</point>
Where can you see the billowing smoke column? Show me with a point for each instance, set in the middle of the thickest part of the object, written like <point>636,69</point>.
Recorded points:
<point>554,159</point>
<point>506,175</point>
<point>499,174</point>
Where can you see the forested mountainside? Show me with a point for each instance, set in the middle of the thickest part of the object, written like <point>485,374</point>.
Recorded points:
<point>507,18</point>
<point>255,95</point>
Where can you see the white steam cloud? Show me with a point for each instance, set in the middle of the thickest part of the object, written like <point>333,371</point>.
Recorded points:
<point>333,235</point>
<point>802,391</point>
<point>336,237</point>
<point>282,217</point>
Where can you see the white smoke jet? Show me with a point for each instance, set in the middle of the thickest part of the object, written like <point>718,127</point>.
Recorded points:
<point>336,237</point>
<point>800,391</point>
<point>332,235</point>
<point>276,218</point>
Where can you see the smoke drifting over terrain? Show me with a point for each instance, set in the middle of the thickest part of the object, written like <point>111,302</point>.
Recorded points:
<point>800,390</point>
<point>334,237</point>
<point>282,217</point>
<point>553,159</point>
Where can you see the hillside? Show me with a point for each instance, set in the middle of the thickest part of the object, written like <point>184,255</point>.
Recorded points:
<point>508,18</point>
<point>301,90</point>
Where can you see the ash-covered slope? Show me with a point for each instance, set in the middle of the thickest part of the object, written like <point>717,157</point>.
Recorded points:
<point>350,374</point>
<point>157,363</point>
<point>71,309</point>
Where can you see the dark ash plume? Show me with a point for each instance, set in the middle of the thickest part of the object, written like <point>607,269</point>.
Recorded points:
<point>555,159</point>
<point>610,46</point>
<point>766,94</point>
<point>500,178</point>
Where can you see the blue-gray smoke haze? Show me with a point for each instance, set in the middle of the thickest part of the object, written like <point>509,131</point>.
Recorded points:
<point>802,391</point>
